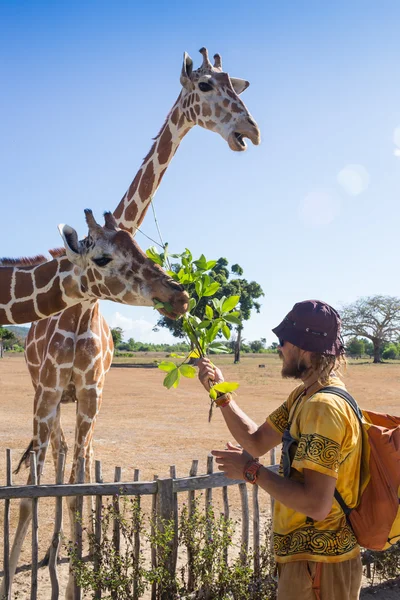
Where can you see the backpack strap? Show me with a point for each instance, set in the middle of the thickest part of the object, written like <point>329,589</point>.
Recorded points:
<point>354,406</point>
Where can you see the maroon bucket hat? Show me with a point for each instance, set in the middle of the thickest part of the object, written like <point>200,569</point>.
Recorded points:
<point>314,326</point>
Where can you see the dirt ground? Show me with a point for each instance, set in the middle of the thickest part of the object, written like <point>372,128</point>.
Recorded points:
<point>143,425</point>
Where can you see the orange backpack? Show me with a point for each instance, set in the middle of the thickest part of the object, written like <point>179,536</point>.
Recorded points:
<point>376,519</point>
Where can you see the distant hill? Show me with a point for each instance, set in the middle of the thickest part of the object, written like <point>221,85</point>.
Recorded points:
<point>19,331</point>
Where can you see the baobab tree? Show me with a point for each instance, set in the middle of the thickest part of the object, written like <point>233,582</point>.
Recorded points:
<point>376,318</point>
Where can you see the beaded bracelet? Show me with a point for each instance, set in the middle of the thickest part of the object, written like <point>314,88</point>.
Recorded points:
<point>223,400</point>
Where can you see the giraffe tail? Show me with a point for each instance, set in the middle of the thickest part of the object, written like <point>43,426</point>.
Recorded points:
<point>24,458</point>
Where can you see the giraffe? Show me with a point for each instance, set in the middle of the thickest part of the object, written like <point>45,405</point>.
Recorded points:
<point>209,98</point>
<point>107,264</point>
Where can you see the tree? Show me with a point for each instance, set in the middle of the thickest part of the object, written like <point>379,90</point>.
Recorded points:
<point>7,339</point>
<point>248,291</point>
<point>117,334</point>
<point>257,345</point>
<point>376,318</point>
<point>355,347</point>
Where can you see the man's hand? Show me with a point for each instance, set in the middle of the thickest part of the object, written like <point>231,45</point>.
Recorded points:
<point>232,461</point>
<point>209,373</point>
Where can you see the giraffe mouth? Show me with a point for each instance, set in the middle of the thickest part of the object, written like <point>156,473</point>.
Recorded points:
<point>238,142</point>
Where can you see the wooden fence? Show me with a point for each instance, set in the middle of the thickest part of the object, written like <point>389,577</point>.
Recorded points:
<point>164,492</point>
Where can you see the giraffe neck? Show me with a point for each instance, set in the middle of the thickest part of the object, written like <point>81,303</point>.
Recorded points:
<point>131,210</point>
<point>32,293</point>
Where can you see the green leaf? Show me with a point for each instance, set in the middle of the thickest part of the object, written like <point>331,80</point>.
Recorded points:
<point>232,319</point>
<point>167,366</point>
<point>187,371</point>
<point>192,304</point>
<point>174,355</point>
<point>158,304</point>
<point>154,256</point>
<point>213,394</point>
<point>211,264</point>
<point>226,386</point>
<point>213,331</point>
<point>211,289</point>
<point>219,348</point>
<point>172,379</point>
<point>209,312</point>
<point>204,324</point>
<point>199,288</point>
<point>230,303</point>
<point>226,331</point>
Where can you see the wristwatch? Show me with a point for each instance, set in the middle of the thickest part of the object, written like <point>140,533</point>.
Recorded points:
<point>250,472</point>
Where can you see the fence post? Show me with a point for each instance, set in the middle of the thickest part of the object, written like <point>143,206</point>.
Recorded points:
<point>165,489</point>
<point>154,508</point>
<point>97,525</point>
<point>78,523</point>
<point>55,544</point>
<point>172,472</point>
<point>191,508</point>
<point>35,527</point>
<point>6,562</point>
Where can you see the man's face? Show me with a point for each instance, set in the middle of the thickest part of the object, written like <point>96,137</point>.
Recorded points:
<point>294,364</point>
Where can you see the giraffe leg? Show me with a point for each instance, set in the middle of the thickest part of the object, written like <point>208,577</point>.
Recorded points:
<point>58,445</point>
<point>88,406</point>
<point>41,434</point>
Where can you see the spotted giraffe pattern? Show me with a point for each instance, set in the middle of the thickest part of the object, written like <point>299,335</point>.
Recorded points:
<point>218,109</point>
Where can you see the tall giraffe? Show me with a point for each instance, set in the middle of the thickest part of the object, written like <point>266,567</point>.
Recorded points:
<point>209,98</point>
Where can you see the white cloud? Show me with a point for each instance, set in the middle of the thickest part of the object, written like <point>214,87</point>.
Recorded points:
<point>396,137</point>
<point>319,207</point>
<point>354,179</point>
<point>141,330</point>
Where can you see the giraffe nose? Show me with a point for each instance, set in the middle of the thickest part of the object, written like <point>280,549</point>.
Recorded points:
<point>252,122</point>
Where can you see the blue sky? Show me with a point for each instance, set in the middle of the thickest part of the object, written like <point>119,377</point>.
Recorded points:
<point>313,212</point>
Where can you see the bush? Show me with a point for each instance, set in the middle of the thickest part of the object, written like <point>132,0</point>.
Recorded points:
<point>207,536</point>
<point>390,352</point>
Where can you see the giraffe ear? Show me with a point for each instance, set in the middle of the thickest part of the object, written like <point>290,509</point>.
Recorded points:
<point>71,241</point>
<point>239,85</point>
<point>187,68</point>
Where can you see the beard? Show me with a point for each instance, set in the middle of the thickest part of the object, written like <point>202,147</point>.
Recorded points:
<point>295,369</point>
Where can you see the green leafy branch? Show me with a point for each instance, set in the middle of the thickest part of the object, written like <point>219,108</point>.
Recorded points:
<point>208,318</point>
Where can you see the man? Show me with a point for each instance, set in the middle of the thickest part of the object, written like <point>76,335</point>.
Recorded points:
<point>315,548</point>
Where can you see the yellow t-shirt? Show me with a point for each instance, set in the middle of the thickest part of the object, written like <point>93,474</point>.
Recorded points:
<point>329,441</point>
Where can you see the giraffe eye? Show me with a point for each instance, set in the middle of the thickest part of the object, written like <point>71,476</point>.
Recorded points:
<point>102,261</point>
<point>205,87</point>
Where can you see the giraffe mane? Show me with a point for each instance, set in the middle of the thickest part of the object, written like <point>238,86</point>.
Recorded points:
<point>166,120</point>
<point>57,252</point>
<point>24,261</point>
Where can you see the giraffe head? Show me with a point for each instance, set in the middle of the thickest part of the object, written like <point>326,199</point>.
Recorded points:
<point>210,98</point>
<point>109,265</point>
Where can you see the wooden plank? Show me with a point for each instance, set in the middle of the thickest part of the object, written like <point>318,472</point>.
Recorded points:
<point>208,497</point>
<point>256,530</point>
<point>225,500</point>
<point>136,540</point>
<point>35,528</point>
<point>245,520</point>
<point>56,541</point>
<point>174,559</point>
<point>78,523</point>
<point>6,559</point>
<point>116,524</point>
<point>191,507</point>
<point>166,514</point>
<point>97,525</point>
<point>146,488</point>
<point>202,482</point>
<point>152,532</point>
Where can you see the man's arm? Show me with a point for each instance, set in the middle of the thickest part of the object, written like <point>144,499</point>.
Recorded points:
<point>312,497</point>
<point>255,440</point>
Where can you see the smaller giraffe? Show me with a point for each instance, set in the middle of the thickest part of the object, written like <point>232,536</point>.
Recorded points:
<point>108,264</point>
